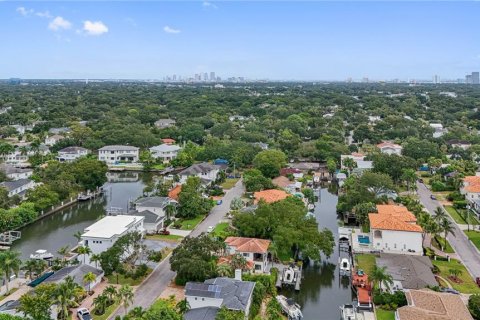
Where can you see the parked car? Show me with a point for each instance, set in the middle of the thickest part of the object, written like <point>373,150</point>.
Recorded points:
<point>433,197</point>
<point>164,232</point>
<point>210,229</point>
<point>83,314</point>
<point>420,180</point>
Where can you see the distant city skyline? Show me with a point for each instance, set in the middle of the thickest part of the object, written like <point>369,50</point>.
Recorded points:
<point>309,41</point>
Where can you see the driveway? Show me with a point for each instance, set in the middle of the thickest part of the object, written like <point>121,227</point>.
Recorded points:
<point>460,243</point>
<point>148,292</point>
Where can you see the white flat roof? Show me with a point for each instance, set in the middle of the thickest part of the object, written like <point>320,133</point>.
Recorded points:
<point>110,226</point>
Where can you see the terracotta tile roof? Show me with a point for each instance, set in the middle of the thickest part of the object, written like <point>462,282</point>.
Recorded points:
<point>472,184</point>
<point>228,259</point>
<point>392,217</point>
<point>472,179</point>
<point>270,195</point>
<point>281,182</point>
<point>387,144</point>
<point>168,141</point>
<point>357,154</point>
<point>248,244</point>
<point>173,194</point>
<point>475,188</point>
<point>430,305</point>
<point>363,295</point>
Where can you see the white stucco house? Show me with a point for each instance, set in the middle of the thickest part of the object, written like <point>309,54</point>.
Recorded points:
<point>153,209</point>
<point>19,157</point>
<point>18,187</point>
<point>394,230</point>
<point>104,233</point>
<point>438,129</point>
<point>205,299</point>
<point>253,250</point>
<point>470,188</point>
<point>165,152</point>
<point>164,123</point>
<point>118,153</point>
<point>14,173</point>
<point>70,154</point>
<point>53,139</point>
<point>205,171</point>
<point>390,148</point>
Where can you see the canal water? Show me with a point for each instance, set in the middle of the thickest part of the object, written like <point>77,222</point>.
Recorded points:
<point>57,230</point>
<point>323,291</point>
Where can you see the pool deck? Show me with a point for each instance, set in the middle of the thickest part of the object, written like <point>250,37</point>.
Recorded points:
<point>356,245</point>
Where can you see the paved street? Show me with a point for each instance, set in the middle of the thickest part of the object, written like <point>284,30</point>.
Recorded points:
<point>161,277</point>
<point>460,243</point>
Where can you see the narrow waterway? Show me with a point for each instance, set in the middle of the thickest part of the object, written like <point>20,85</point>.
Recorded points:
<point>323,291</point>
<point>57,230</point>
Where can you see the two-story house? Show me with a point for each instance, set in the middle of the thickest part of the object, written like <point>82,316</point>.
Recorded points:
<point>470,188</point>
<point>390,148</point>
<point>154,210</point>
<point>14,173</point>
<point>165,152</point>
<point>252,249</point>
<point>205,171</point>
<point>118,153</point>
<point>69,154</point>
<point>53,139</point>
<point>18,187</point>
<point>165,123</point>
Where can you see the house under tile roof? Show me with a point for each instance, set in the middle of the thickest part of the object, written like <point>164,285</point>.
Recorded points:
<point>173,194</point>
<point>248,244</point>
<point>227,260</point>
<point>392,217</point>
<point>414,272</point>
<point>76,272</point>
<point>270,195</point>
<point>387,144</point>
<point>199,168</point>
<point>426,304</point>
<point>281,182</point>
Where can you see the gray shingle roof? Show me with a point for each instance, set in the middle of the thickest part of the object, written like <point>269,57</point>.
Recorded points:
<point>8,169</point>
<point>149,216</point>
<point>205,313</point>
<point>235,293</point>
<point>76,272</point>
<point>72,150</point>
<point>118,147</point>
<point>153,202</point>
<point>12,185</point>
<point>199,168</point>
<point>414,272</point>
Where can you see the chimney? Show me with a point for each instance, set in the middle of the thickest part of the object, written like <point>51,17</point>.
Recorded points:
<point>238,274</point>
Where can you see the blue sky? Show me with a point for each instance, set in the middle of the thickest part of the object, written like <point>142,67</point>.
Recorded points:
<point>275,40</point>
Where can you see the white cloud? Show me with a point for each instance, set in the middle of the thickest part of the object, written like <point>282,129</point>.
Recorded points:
<point>94,28</point>
<point>168,29</point>
<point>58,24</point>
<point>207,4</point>
<point>24,11</point>
<point>44,14</point>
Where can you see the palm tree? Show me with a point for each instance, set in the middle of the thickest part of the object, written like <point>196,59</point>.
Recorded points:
<point>136,313</point>
<point>78,235</point>
<point>65,297</point>
<point>380,277</point>
<point>409,176</point>
<point>88,278</point>
<point>238,262</point>
<point>63,251</point>
<point>183,306</point>
<point>95,258</point>
<point>125,295</point>
<point>100,303</point>
<point>10,263</point>
<point>30,266</point>
<point>349,163</point>
<point>111,293</point>
<point>40,266</point>
<point>439,214</point>
<point>84,250</point>
<point>446,226</point>
<point>224,270</point>
<point>429,225</point>
<point>170,211</point>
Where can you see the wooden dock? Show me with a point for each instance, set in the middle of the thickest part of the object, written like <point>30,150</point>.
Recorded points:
<point>8,237</point>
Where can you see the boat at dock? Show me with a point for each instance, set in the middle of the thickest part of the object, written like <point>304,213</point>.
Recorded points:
<point>347,312</point>
<point>291,309</point>
<point>41,254</point>
<point>290,276</point>
<point>345,265</point>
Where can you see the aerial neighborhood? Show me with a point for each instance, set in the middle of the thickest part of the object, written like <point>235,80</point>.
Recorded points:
<point>239,201</point>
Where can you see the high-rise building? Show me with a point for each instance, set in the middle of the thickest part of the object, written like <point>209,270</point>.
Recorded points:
<point>212,76</point>
<point>468,79</point>
<point>436,79</point>
<point>475,78</point>
<point>205,76</point>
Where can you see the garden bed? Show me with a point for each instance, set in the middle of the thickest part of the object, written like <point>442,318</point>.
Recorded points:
<point>467,284</point>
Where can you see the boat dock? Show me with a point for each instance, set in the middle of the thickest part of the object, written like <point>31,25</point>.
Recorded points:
<point>7,238</point>
<point>289,276</point>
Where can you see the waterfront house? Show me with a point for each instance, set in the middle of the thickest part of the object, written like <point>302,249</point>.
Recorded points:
<point>77,272</point>
<point>18,187</point>
<point>207,172</point>
<point>174,193</point>
<point>153,209</point>
<point>165,123</point>
<point>284,183</point>
<point>206,298</point>
<point>394,230</point>
<point>388,147</point>
<point>252,249</point>
<point>118,153</point>
<point>69,154</point>
<point>53,139</point>
<point>165,152</point>
<point>14,173</point>
<point>426,304</point>
<point>270,195</point>
<point>104,233</point>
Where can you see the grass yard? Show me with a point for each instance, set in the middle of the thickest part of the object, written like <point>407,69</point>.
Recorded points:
<point>158,166</point>
<point>474,236</point>
<point>163,237</point>
<point>107,313</point>
<point>122,280</point>
<point>229,184</point>
<point>219,230</point>
<point>459,216</point>
<point>366,262</point>
<point>437,243</point>
<point>385,315</point>
<point>191,223</point>
<point>467,285</point>
<point>9,293</point>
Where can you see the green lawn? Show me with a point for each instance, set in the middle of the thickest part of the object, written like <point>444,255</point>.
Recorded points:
<point>220,229</point>
<point>9,293</point>
<point>122,280</point>
<point>159,166</point>
<point>458,216</point>
<point>107,313</point>
<point>229,183</point>
<point>191,223</point>
<point>474,236</point>
<point>437,243</point>
<point>467,285</point>
<point>366,262</point>
<point>162,237</point>
<point>385,315</point>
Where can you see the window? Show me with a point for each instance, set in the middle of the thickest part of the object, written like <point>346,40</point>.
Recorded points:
<point>195,298</point>
<point>245,254</point>
<point>395,246</point>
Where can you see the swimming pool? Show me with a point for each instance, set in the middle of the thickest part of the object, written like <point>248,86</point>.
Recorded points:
<point>363,239</point>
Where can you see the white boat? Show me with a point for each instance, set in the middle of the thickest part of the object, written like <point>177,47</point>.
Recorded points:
<point>290,308</point>
<point>345,267</point>
<point>41,255</point>
<point>348,312</point>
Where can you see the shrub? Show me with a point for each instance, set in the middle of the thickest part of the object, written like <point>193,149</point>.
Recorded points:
<point>455,196</point>
<point>474,305</point>
<point>438,186</point>
<point>140,271</point>
<point>459,204</point>
<point>155,256</point>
